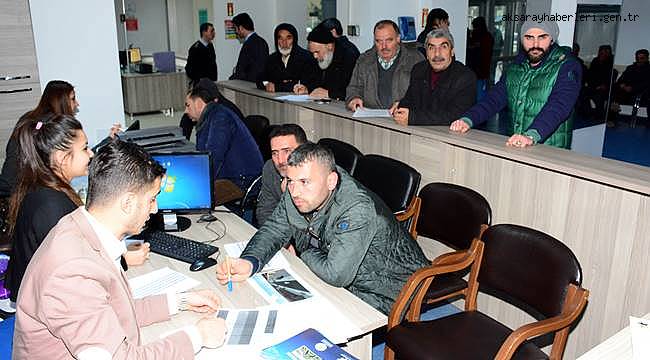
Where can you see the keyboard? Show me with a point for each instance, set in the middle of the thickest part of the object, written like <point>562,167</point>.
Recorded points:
<point>178,248</point>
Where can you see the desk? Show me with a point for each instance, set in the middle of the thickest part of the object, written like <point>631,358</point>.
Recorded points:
<point>153,92</point>
<point>244,296</point>
<point>598,207</point>
<point>617,347</point>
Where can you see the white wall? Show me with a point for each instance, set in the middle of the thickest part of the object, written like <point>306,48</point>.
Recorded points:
<point>632,35</point>
<point>182,32</point>
<point>84,53</point>
<point>151,35</point>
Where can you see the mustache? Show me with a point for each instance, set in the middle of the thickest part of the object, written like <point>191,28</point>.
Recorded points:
<point>535,48</point>
<point>438,58</point>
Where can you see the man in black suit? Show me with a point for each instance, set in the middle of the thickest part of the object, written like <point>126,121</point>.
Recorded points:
<point>254,51</point>
<point>289,65</point>
<point>201,59</point>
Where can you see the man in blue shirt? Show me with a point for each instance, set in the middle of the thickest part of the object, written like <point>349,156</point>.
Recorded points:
<point>235,154</point>
<point>539,89</point>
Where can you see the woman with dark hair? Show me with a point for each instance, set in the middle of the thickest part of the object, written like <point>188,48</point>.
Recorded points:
<point>52,150</point>
<point>437,18</point>
<point>58,98</point>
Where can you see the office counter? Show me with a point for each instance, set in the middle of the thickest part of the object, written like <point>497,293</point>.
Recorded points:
<point>599,207</point>
<point>153,92</point>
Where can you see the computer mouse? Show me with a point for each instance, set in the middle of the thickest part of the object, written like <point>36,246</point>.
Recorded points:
<point>203,263</point>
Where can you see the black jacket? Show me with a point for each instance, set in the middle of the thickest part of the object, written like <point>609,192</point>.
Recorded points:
<point>201,62</point>
<point>454,93</point>
<point>301,67</point>
<point>252,59</point>
<point>337,76</point>
<point>40,210</point>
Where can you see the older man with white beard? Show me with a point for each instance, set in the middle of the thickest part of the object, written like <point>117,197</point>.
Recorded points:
<point>289,65</point>
<point>335,61</point>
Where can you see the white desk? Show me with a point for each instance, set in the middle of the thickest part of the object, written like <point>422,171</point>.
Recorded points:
<point>358,312</point>
<point>617,347</point>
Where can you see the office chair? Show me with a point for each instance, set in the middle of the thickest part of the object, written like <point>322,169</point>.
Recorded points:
<point>346,155</point>
<point>524,267</point>
<point>453,215</point>
<point>396,183</point>
<point>259,126</point>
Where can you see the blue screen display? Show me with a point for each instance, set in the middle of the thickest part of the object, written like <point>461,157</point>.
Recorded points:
<point>186,185</point>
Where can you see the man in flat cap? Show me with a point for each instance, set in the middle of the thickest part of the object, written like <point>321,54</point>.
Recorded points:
<point>335,61</point>
<point>539,88</point>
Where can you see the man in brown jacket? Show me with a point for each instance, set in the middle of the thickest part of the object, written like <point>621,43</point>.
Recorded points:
<point>75,301</point>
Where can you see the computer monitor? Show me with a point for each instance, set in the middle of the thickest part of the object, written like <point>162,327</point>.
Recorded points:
<point>135,56</point>
<point>407,28</point>
<point>165,61</point>
<point>185,188</point>
<point>123,62</point>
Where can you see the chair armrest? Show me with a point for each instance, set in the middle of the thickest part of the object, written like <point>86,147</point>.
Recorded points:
<point>412,292</point>
<point>574,304</point>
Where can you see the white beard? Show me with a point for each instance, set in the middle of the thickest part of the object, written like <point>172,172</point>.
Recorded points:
<point>285,52</point>
<point>327,61</point>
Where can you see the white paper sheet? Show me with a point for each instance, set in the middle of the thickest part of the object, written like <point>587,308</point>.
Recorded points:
<point>297,98</point>
<point>277,262</point>
<point>159,282</point>
<point>640,331</point>
<point>367,112</point>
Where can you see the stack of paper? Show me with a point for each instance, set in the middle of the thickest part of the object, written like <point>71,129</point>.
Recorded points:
<point>366,112</point>
<point>160,282</point>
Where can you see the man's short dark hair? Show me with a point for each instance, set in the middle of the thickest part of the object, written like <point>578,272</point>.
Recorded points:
<point>205,89</point>
<point>289,129</point>
<point>310,151</point>
<point>333,23</point>
<point>120,167</point>
<point>244,20</point>
<point>383,23</point>
<point>204,27</point>
<point>641,52</point>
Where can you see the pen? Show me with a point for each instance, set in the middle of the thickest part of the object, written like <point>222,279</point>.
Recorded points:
<point>229,273</point>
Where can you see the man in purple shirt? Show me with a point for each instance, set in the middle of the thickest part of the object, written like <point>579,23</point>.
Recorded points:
<point>539,89</point>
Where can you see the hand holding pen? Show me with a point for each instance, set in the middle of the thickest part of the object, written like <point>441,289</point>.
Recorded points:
<point>233,269</point>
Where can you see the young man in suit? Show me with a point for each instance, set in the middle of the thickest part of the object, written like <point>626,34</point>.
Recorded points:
<point>75,300</point>
<point>254,51</point>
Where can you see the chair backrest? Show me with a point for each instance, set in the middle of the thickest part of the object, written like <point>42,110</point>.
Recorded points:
<point>259,126</point>
<point>249,201</point>
<point>392,180</point>
<point>346,155</point>
<point>528,269</point>
<point>452,214</point>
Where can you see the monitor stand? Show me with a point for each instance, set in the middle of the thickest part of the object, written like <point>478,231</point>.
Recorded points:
<point>171,222</point>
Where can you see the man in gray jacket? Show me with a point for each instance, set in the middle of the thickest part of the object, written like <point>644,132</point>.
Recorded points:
<point>381,75</point>
<point>284,139</point>
<point>345,234</point>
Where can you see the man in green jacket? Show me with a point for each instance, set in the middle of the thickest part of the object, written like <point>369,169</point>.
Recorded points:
<point>343,232</point>
<point>539,89</point>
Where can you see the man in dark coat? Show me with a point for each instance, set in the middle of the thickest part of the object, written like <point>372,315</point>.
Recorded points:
<point>336,62</point>
<point>440,90</point>
<point>201,59</point>
<point>254,50</point>
<point>289,65</point>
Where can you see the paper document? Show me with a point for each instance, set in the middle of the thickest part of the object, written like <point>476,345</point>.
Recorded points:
<point>159,282</point>
<point>249,327</point>
<point>277,262</point>
<point>640,331</point>
<point>366,112</point>
<point>298,98</point>
<point>280,286</point>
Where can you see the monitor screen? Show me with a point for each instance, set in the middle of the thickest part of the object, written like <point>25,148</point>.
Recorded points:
<point>187,184</point>
<point>165,61</point>
<point>134,55</point>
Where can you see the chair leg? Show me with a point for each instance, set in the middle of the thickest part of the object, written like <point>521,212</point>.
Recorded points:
<point>389,354</point>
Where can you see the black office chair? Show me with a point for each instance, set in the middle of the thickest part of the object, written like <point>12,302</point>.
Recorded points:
<point>346,155</point>
<point>394,182</point>
<point>260,127</point>
<point>521,266</point>
<point>453,215</point>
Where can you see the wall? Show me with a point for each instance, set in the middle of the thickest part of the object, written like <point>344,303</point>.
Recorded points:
<point>632,35</point>
<point>76,52</point>
<point>151,35</point>
<point>182,32</point>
